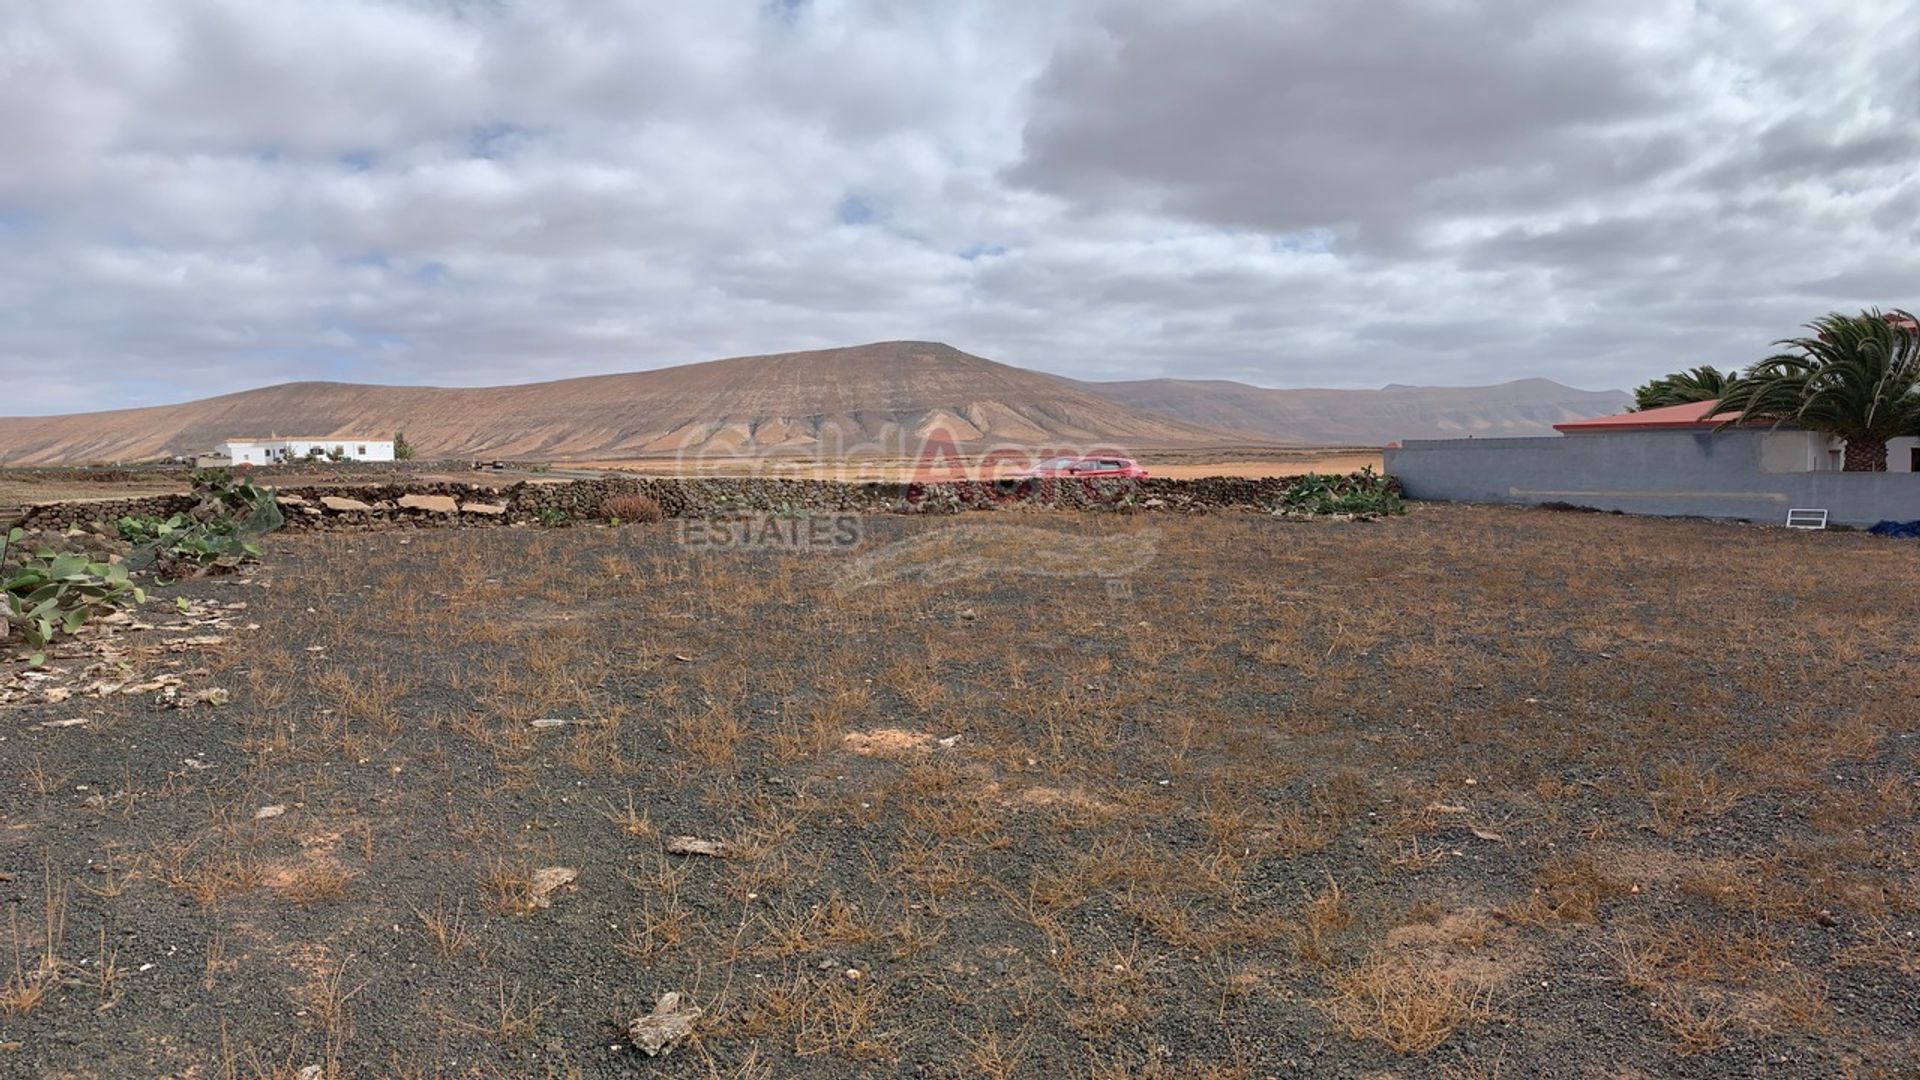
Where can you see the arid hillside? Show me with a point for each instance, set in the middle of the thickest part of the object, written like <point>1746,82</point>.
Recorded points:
<point>1367,417</point>
<point>865,396</point>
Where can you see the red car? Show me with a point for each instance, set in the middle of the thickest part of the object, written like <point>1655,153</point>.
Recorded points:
<point>1088,468</point>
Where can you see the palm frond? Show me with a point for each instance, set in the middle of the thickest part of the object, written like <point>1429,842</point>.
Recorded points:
<point>1703,383</point>
<point>1855,376</point>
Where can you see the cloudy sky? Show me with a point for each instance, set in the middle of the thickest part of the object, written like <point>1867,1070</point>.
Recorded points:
<point>200,196</point>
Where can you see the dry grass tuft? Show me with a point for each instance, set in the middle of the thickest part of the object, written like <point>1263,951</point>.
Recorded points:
<point>316,881</point>
<point>1407,1007</point>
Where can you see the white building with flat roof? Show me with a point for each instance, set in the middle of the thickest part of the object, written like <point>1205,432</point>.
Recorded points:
<point>275,449</point>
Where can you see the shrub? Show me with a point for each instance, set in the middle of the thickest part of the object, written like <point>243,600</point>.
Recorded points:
<point>49,594</point>
<point>1362,494</point>
<point>179,542</point>
<point>210,538</point>
<point>641,508</point>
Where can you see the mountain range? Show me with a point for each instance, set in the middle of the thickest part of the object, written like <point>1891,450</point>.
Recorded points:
<point>881,397</point>
<point>1369,417</point>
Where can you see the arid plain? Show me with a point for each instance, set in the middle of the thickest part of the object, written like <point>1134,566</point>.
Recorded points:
<point>1467,793</point>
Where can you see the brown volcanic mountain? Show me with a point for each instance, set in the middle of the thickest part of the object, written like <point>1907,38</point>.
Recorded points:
<point>1368,417</point>
<point>876,396</point>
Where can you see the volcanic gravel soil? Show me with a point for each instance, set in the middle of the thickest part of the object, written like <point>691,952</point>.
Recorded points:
<point>1468,793</point>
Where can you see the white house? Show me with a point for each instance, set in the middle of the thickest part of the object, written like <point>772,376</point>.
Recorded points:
<point>274,450</point>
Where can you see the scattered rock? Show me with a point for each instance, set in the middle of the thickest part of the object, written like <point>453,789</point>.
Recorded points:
<point>75,722</point>
<point>153,685</point>
<point>438,504</point>
<point>343,505</point>
<point>268,812</point>
<point>490,509</point>
<point>1488,835</point>
<point>290,500</point>
<point>549,722</point>
<point>659,1031</point>
<point>549,879</point>
<point>693,845</point>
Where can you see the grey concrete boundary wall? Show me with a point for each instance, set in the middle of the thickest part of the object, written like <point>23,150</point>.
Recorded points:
<point>1673,473</point>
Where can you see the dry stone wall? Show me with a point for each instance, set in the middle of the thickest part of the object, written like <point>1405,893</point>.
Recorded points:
<point>64,515</point>
<point>429,504</point>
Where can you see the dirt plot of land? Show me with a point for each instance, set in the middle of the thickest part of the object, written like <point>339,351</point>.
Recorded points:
<point>1468,793</point>
<point>1182,464</point>
<point>21,488</point>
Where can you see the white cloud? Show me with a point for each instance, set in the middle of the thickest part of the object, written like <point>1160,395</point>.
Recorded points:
<point>211,194</point>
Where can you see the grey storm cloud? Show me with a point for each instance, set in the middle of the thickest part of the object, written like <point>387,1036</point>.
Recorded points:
<point>206,195</point>
<point>1282,118</point>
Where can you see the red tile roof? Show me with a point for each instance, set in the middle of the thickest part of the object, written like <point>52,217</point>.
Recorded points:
<point>1694,414</point>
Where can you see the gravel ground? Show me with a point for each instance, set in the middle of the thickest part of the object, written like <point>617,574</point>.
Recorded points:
<point>1470,793</point>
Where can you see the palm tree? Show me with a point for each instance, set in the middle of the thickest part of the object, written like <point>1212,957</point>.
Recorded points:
<point>1703,383</point>
<point>1857,377</point>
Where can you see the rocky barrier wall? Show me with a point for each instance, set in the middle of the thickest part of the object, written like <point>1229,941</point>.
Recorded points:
<point>349,506</point>
<point>65,515</point>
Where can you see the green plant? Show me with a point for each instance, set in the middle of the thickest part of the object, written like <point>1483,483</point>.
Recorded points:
<point>1703,383</point>
<point>1857,377</point>
<point>402,449</point>
<point>49,594</point>
<point>141,530</point>
<point>206,544</point>
<point>211,537</point>
<point>232,492</point>
<point>1365,493</point>
<point>550,516</point>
